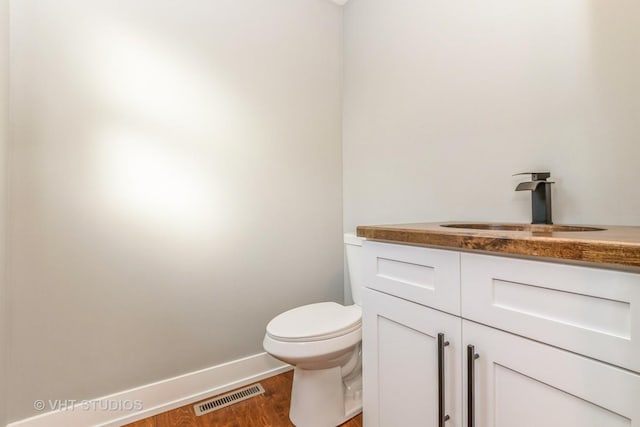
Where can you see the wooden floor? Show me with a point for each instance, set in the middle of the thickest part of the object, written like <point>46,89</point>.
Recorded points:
<point>270,409</point>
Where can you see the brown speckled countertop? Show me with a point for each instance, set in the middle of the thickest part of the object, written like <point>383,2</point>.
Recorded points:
<point>615,246</point>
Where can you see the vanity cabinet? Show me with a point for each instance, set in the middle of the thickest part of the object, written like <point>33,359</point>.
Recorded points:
<point>557,344</point>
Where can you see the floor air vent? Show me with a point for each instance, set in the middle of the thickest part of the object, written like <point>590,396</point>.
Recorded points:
<point>228,399</point>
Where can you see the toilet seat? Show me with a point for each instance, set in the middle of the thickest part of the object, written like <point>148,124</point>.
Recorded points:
<point>315,322</point>
<point>311,354</point>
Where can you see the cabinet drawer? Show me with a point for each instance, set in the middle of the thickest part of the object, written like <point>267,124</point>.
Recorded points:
<point>590,311</point>
<point>427,276</point>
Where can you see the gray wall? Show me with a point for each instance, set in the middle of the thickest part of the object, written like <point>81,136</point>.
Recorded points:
<point>175,183</point>
<point>445,100</point>
<point>4,135</point>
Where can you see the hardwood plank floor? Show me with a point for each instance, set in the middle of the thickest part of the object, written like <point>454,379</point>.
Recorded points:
<point>270,409</point>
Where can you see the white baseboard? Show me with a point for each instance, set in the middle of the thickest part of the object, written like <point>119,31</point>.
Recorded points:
<point>116,409</point>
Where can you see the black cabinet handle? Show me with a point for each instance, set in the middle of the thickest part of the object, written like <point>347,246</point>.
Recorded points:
<point>442,417</point>
<point>471,357</point>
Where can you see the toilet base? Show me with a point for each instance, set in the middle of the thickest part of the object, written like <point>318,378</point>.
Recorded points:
<point>318,398</point>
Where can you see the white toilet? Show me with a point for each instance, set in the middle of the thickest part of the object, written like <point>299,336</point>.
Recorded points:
<point>322,341</point>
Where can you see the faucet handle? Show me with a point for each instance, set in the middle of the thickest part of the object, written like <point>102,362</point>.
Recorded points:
<point>536,176</point>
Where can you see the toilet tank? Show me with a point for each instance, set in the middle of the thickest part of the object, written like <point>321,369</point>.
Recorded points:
<point>353,249</point>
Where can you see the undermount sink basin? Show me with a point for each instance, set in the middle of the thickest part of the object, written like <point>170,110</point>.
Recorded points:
<point>534,228</point>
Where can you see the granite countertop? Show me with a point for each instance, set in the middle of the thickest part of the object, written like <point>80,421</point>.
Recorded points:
<point>616,246</point>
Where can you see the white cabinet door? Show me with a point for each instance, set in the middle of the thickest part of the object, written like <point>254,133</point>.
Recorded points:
<point>401,363</point>
<point>524,383</point>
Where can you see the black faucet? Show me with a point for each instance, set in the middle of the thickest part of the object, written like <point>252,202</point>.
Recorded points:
<point>540,196</point>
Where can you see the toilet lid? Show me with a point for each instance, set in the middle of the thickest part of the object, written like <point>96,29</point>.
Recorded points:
<point>315,322</point>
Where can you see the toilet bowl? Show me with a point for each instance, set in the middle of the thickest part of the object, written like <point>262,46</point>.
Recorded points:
<point>323,343</point>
